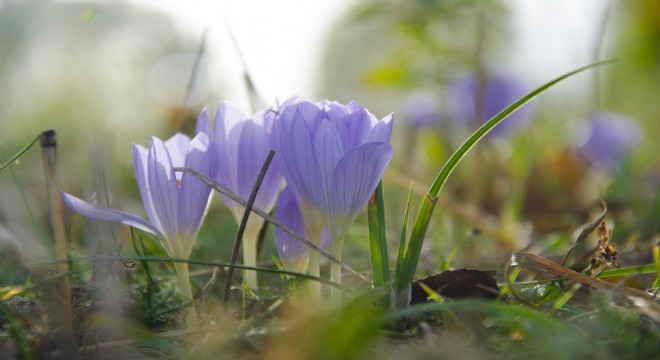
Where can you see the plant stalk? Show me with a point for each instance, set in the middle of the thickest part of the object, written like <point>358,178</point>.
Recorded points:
<point>183,276</point>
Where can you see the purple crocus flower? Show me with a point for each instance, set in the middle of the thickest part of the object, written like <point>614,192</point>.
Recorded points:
<point>609,136</point>
<point>241,144</point>
<point>175,202</point>
<point>493,94</point>
<point>294,254</point>
<point>421,110</point>
<point>332,158</point>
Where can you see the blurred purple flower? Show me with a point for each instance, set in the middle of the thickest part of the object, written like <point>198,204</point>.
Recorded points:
<point>497,92</point>
<point>175,202</point>
<point>294,254</point>
<point>609,137</point>
<point>241,144</point>
<point>421,110</point>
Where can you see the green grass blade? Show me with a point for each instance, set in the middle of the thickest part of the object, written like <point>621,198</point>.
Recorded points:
<point>380,267</point>
<point>402,241</point>
<point>407,271</point>
<point>656,261</point>
<point>630,271</point>
<point>9,163</point>
<point>424,216</point>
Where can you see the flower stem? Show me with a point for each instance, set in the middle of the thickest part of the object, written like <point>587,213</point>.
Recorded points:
<point>186,292</point>
<point>335,269</point>
<point>250,246</point>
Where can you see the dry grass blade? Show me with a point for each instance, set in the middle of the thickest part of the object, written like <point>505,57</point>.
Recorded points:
<point>539,264</point>
<point>586,231</point>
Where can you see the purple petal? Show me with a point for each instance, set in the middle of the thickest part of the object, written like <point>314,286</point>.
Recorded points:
<point>227,116</point>
<point>101,213</point>
<point>163,187</point>
<point>307,110</point>
<point>203,124</point>
<point>357,176</point>
<point>288,213</point>
<point>229,122</point>
<point>329,150</point>
<point>140,162</point>
<point>296,155</point>
<point>177,146</point>
<point>193,197</point>
<point>381,130</point>
<point>254,145</point>
<point>357,124</point>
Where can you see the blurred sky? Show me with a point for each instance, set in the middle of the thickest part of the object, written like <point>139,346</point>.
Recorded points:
<point>282,40</point>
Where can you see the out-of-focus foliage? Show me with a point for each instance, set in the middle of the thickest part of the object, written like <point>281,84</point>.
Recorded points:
<point>530,183</point>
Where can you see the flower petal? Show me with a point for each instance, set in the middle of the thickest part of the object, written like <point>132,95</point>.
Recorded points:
<point>140,161</point>
<point>163,187</point>
<point>328,149</point>
<point>229,122</point>
<point>177,146</point>
<point>203,124</point>
<point>194,195</point>
<point>288,213</point>
<point>296,154</point>
<point>101,213</point>
<point>254,145</point>
<point>381,130</point>
<point>356,176</point>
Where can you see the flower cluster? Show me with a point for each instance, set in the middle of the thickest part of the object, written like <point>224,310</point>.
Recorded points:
<point>331,155</point>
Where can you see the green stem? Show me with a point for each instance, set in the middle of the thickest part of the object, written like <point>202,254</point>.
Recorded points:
<point>335,270</point>
<point>250,247</point>
<point>186,292</point>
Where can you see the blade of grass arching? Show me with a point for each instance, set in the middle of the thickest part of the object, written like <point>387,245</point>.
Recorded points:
<point>14,159</point>
<point>230,194</point>
<point>400,255</point>
<point>447,169</point>
<point>380,267</point>
<point>423,217</point>
<point>241,228</point>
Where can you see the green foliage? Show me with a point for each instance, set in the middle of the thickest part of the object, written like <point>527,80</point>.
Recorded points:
<point>14,159</point>
<point>380,268</point>
<point>428,203</point>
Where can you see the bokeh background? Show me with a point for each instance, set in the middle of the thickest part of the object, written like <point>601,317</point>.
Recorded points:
<point>107,74</point>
